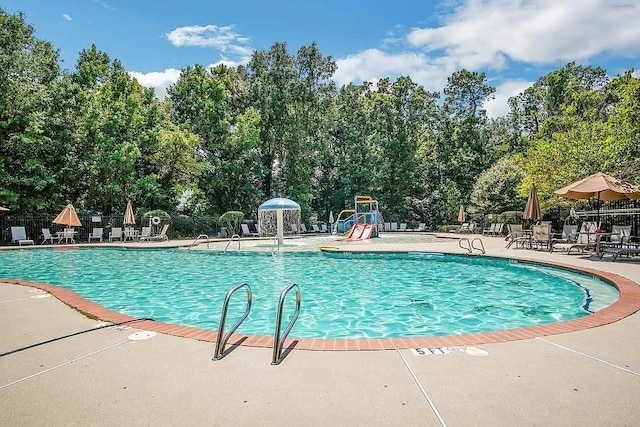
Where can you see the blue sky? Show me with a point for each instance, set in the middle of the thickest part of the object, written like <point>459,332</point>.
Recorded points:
<point>513,41</point>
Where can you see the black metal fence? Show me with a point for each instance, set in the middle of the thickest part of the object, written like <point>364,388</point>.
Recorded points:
<point>180,226</point>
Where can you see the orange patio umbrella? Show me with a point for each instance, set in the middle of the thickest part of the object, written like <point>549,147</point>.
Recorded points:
<point>129,218</point>
<point>461,214</point>
<point>601,187</point>
<point>532,209</point>
<point>68,217</point>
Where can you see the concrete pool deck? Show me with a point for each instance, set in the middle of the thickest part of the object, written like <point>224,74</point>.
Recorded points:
<point>102,378</point>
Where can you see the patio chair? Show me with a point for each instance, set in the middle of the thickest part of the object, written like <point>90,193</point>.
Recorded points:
<point>472,228</point>
<point>145,232</point>
<point>48,237</point>
<point>394,226</point>
<point>489,230</point>
<point>303,228</point>
<point>246,231</point>
<point>115,233</point>
<point>314,228</point>
<point>585,239</point>
<point>569,234</point>
<point>387,226</point>
<point>541,236</point>
<point>19,236</point>
<point>158,237</point>
<point>96,233</point>
<point>222,233</point>
<point>323,228</point>
<point>422,226</point>
<point>403,226</point>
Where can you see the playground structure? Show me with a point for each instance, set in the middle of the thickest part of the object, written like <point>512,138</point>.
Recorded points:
<point>361,222</point>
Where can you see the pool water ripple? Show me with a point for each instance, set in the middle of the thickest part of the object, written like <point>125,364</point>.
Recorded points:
<point>343,296</point>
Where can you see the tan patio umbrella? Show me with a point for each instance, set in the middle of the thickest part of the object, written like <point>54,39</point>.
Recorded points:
<point>68,217</point>
<point>532,209</point>
<point>129,218</point>
<point>331,217</point>
<point>461,214</point>
<point>3,209</point>
<point>601,187</point>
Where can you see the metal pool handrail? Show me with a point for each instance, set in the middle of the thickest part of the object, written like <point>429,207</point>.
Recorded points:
<point>278,341</point>
<point>198,238</point>
<point>231,240</point>
<point>221,340</point>
<point>470,244</point>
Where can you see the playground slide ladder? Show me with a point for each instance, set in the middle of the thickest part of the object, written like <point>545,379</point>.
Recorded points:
<point>278,340</point>
<point>221,340</point>
<point>470,244</point>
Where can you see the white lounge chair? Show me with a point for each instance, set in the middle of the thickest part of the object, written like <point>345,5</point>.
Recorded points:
<point>19,236</point>
<point>314,228</point>
<point>48,237</point>
<point>158,237</point>
<point>96,233</point>
<point>145,232</point>
<point>115,233</point>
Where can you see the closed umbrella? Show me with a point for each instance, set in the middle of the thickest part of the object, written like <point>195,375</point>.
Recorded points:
<point>3,209</point>
<point>532,209</point>
<point>461,214</point>
<point>129,218</point>
<point>600,186</point>
<point>68,217</point>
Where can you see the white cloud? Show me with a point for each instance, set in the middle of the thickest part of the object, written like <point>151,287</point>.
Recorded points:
<point>484,33</point>
<point>66,17</point>
<point>222,38</point>
<point>498,106</point>
<point>373,64</point>
<point>159,81</point>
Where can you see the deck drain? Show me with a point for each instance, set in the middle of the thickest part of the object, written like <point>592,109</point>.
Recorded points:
<point>39,296</point>
<point>139,336</point>
<point>475,351</point>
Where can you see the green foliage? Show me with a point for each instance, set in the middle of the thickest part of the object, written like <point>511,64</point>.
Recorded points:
<point>496,190</point>
<point>228,138</point>
<point>231,220</point>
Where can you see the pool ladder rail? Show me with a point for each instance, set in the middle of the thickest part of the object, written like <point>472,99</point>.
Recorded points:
<point>221,340</point>
<point>196,242</point>
<point>231,239</point>
<point>279,339</point>
<point>471,244</point>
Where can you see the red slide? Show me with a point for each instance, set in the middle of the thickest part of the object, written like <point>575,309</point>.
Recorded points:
<point>360,231</point>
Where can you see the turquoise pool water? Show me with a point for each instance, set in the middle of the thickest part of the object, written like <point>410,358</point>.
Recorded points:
<point>343,296</point>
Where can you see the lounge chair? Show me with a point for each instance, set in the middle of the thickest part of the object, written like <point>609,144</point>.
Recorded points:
<point>19,236</point>
<point>48,237</point>
<point>403,226</point>
<point>314,228</point>
<point>585,239</point>
<point>394,226</point>
<point>489,230</point>
<point>115,233</point>
<point>569,234</point>
<point>302,228</point>
<point>472,228</point>
<point>246,231</point>
<point>159,237</point>
<point>387,226</point>
<point>96,233</point>
<point>497,231</point>
<point>222,233</point>
<point>145,232</point>
<point>422,226</point>
<point>294,228</point>
<point>323,228</point>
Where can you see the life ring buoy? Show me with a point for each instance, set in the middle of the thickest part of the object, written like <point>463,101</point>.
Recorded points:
<point>155,220</point>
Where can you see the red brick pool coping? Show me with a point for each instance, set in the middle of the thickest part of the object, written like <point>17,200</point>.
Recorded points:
<point>626,305</point>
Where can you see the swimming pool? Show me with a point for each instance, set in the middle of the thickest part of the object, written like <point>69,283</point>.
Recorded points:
<point>343,295</point>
